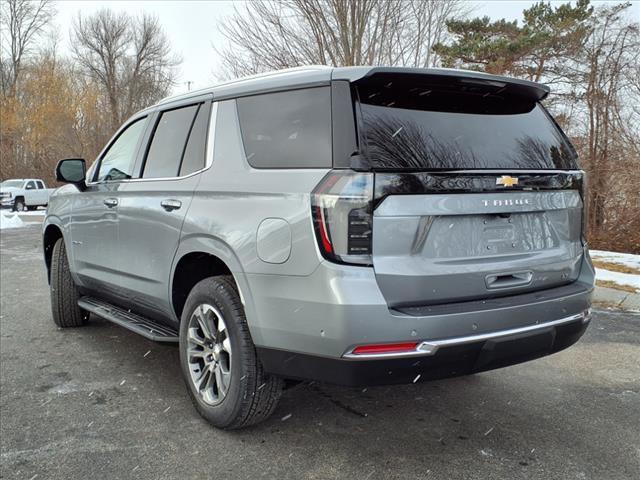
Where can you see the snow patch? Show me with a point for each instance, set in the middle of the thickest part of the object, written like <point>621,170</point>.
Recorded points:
<point>34,213</point>
<point>627,259</point>
<point>10,221</point>
<point>619,278</point>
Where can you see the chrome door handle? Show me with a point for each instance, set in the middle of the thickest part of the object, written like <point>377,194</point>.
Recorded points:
<point>110,202</point>
<point>170,204</point>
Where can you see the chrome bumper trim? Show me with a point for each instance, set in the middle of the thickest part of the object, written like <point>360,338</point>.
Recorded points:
<point>430,347</point>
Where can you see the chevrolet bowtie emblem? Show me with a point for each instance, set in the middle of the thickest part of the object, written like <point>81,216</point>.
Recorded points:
<point>507,181</point>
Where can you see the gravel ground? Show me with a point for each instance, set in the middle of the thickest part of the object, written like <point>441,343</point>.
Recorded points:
<point>100,402</point>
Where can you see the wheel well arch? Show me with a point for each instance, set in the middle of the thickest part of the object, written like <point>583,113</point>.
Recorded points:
<point>51,235</point>
<point>190,269</point>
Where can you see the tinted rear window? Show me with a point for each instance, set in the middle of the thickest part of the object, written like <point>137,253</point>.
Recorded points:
<point>168,143</point>
<point>194,154</point>
<point>424,128</point>
<point>287,129</point>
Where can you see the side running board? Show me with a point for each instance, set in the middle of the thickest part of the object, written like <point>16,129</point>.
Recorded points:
<point>136,323</point>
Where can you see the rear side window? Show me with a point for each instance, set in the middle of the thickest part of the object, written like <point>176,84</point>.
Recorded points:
<point>40,185</point>
<point>168,142</point>
<point>194,154</point>
<point>287,129</point>
<point>422,127</point>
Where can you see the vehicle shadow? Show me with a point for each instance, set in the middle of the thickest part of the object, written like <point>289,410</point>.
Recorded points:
<point>507,415</point>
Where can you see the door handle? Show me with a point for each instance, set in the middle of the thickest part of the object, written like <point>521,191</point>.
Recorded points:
<point>171,204</point>
<point>110,202</point>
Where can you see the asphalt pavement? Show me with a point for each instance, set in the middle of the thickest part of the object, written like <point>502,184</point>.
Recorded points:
<point>101,402</point>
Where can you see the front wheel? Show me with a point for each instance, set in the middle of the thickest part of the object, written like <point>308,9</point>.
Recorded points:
<point>64,292</point>
<point>18,205</point>
<point>224,377</point>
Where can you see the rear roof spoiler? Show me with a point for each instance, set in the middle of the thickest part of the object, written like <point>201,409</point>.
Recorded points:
<point>444,76</point>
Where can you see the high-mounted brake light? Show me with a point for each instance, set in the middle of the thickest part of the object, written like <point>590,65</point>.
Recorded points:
<point>384,348</point>
<point>341,207</point>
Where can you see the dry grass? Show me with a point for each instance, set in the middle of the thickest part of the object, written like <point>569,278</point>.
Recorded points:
<point>607,305</point>
<point>615,267</point>
<point>616,286</point>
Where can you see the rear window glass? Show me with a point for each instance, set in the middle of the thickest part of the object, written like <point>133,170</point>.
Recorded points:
<point>168,143</point>
<point>287,129</point>
<point>194,154</point>
<point>423,128</point>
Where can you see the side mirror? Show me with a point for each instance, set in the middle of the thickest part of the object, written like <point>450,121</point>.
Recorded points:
<point>72,170</point>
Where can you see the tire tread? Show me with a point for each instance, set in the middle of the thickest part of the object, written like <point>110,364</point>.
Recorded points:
<point>64,293</point>
<point>262,392</point>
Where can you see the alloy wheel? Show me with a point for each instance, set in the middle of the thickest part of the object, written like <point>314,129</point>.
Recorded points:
<point>209,354</point>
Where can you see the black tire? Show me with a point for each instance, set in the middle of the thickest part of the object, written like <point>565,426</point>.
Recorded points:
<point>31,208</point>
<point>64,293</point>
<point>18,205</point>
<point>252,395</point>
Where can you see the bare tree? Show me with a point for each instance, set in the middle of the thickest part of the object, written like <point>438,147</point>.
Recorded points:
<point>22,22</point>
<point>129,57</point>
<point>601,104</point>
<point>423,25</point>
<point>270,35</point>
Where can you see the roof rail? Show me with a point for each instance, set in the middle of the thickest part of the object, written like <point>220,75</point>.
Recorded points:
<point>286,71</point>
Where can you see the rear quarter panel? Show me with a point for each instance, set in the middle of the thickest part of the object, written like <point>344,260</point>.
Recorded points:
<point>233,199</point>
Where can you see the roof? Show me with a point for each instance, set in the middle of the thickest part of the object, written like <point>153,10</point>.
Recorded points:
<point>290,77</point>
<point>317,75</point>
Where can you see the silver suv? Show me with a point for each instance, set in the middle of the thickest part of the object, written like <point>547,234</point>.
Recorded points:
<point>357,226</point>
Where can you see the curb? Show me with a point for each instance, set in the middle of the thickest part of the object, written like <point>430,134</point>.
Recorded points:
<point>618,298</point>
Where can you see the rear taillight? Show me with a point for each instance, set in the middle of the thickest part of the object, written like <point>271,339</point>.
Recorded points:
<point>341,206</point>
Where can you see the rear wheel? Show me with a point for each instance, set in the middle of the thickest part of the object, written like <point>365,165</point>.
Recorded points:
<point>224,377</point>
<point>64,293</point>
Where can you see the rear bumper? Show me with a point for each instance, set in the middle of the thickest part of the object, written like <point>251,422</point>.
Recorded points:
<point>303,326</point>
<point>454,357</point>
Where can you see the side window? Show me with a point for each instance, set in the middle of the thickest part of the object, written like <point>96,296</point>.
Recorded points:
<point>194,155</point>
<point>117,163</point>
<point>287,129</point>
<point>30,185</point>
<point>168,142</point>
<point>40,185</point>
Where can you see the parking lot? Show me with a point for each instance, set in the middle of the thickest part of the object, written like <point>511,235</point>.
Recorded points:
<point>101,402</point>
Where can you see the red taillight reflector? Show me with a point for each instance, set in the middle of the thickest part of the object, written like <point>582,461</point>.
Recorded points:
<point>326,243</point>
<point>385,348</point>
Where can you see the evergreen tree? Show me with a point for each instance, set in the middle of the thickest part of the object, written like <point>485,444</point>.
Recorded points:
<point>547,35</point>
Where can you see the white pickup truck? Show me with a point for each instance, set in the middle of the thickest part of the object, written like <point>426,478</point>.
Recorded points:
<point>22,194</point>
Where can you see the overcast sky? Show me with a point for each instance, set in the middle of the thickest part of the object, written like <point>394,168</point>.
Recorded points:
<point>192,27</point>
